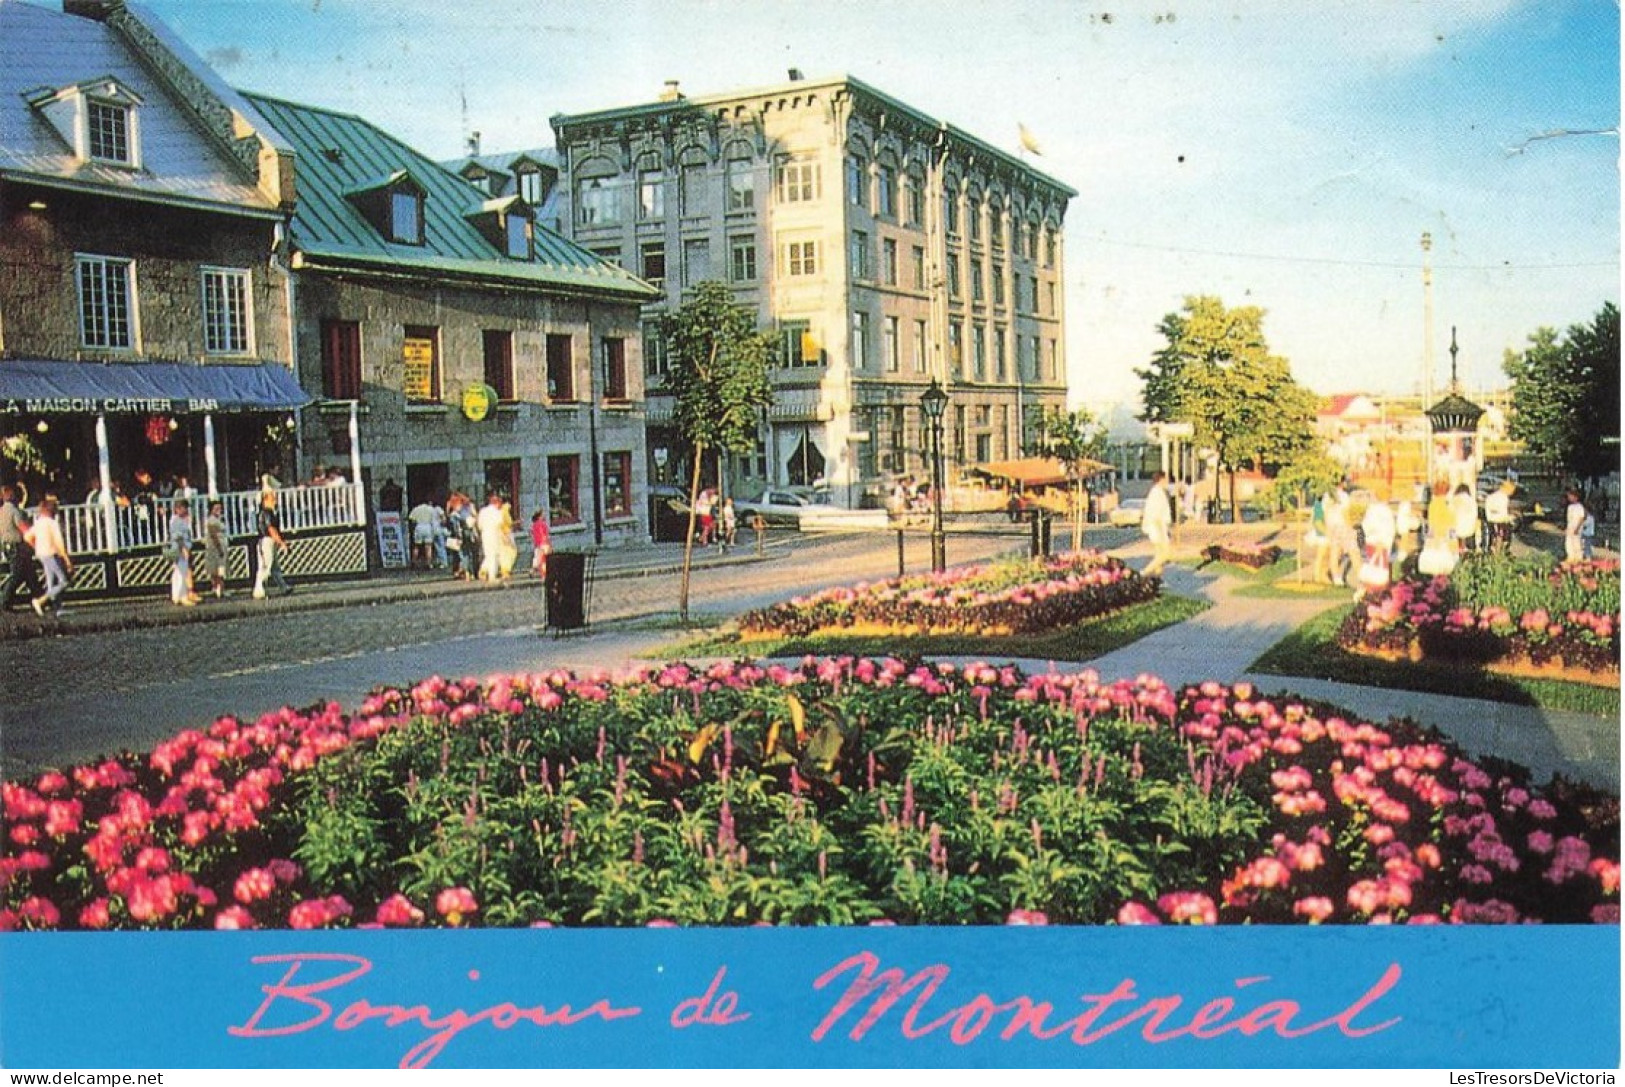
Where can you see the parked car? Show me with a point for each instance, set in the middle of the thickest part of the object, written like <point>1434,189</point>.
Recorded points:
<point>797,509</point>
<point>1128,512</point>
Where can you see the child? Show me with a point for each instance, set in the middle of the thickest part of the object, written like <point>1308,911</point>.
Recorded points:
<point>730,524</point>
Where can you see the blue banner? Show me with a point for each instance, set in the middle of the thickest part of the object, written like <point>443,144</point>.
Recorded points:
<point>1470,997</point>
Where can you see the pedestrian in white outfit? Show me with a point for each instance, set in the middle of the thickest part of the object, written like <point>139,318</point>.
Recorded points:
<point>52,552</point>
<point>1156,522</point>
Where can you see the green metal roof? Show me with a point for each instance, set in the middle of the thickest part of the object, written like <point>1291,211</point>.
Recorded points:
<point>340,154</point>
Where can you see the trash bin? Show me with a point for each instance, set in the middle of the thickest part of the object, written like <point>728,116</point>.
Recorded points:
<point>569,577</point>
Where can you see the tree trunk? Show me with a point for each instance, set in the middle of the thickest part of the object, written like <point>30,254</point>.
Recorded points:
<point>688,538</point>
<point>1078,502</point>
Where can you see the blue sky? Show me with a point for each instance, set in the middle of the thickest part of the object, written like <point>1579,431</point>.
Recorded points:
<point>1276,154</point>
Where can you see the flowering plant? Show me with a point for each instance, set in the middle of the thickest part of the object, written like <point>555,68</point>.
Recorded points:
<point>1002,597</point>
<point>839,791</point>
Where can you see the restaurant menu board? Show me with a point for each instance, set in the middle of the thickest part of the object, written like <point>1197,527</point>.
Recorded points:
<point>417,358</point>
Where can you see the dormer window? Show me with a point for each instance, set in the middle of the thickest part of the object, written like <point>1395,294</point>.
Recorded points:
<point>393,205</point>
<point>97,118</point>
<point>518,229</point>
<point>406,217</point>
<point>108,130</point>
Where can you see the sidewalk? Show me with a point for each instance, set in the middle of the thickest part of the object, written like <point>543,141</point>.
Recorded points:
<point>379,587</point>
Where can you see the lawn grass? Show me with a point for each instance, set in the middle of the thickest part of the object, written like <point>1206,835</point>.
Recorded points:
<point>1083,642</point>
<point>1312,651</point>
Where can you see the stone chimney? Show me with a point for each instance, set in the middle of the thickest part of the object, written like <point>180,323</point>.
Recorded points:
<point>671,93</point>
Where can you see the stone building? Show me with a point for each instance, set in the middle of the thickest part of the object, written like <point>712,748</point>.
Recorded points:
<point>483,351</point>
<point>885,247</point>
<point>145,330</point>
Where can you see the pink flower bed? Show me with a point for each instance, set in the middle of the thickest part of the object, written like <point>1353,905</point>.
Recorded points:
<point>972,795</point>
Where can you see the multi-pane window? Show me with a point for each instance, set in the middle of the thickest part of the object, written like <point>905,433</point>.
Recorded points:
<point>886,191</point>
<point>1053,370</point>
<point>973,212</point>
<point>609,254</point>
<point>956,349</point>
<point>953,275</point>
<point>860,340</point>
<point>919,268</point>
<point>959,434</point>
<point>656,360</point>
<point>696,261</point>
<point>950,211</point>
<point>654,262</point>
<point>797,180</point>
<point>108,127</point>
<point>979,352</point>
<point>498,344</point>
<point>888,262</point>
<point>617,484</point>
<point>561,381</point>
<point>796,345</point>
<point>530,187</point>
<point>226,311</point>
<point>694,188</point>
<point>651,194</point>
<point>341,359</point>
<point>801,258</point>
<point>596,203</point>
<point>916,200</point>
<point>857,181</point>
<point>420,359</point>
<point>1049,247</point>
<point>1049,289</point>
<point>742,259</point>
<point>891,350</point>
<point>106,302</point>
<point>741,185</point>
<point>563,490</point>
<point>998,284</point>
<point>406,217</point>
<point>860,255</point>
<point>614,356</point>
<point>917,351</point>
<point>995,217</point>
<point>976,281</point>
<point>1001,369</point>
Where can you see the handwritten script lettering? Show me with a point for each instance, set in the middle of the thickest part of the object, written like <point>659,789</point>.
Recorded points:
<point>335,971</point>
<point>871,995</point>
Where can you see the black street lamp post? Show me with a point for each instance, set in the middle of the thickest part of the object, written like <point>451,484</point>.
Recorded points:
<point>934,402</point>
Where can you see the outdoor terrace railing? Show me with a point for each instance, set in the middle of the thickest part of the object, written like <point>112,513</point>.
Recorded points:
<point>145,523</point>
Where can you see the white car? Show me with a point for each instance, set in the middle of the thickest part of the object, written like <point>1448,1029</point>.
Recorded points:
<point>796,509</point>
<point>1128,512</point>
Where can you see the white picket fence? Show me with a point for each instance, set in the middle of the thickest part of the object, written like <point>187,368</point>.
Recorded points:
<point>145,524</point>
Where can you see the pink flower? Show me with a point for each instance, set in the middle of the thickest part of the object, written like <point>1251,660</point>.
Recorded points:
<point>95,915</point>
<point>454,903</point>
<point>397,911</point>
<point>1191,907</point>
<point>318,912</point>
<point>254,885</point>
<point>1316,908</point>
<point>1136,913</point>
<point>1607,873</point>
<point>1027,917</point>
<point>42,912</point>
<point>234,918</point>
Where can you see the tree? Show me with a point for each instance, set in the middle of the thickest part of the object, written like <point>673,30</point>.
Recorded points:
<point>1565,395</point>
<point>1073,438</point>
<point>718,379</point>
<point>1216,373</point>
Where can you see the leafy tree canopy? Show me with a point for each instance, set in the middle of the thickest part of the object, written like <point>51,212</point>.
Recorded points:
<point>1565,394</point>
<point>1069,436</point>
<point>718,369</point>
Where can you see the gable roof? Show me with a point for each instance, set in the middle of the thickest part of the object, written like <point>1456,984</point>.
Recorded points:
<point>340,154</point>
<point>43,52</point>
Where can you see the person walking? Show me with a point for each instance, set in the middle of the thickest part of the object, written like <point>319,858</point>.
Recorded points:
<point>1574,522</point>
<point>178,549</point>
<point>729,525</point>
<point>705,511</point>
<point>215,547</point>
<point>1498,516</point>
<point>490,523</point>
<point>14,549</point>
<point>425,519</point>
<point>1156,522</point>
<point>541,542</point>
<point>272,545</point>
<point>1438,554</point>
<point>1464,510</point>
<point>52,552</point>
<point>507,551</point>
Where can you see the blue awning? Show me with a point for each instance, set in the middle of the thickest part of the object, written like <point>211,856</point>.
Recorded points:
<point>37,386</point>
